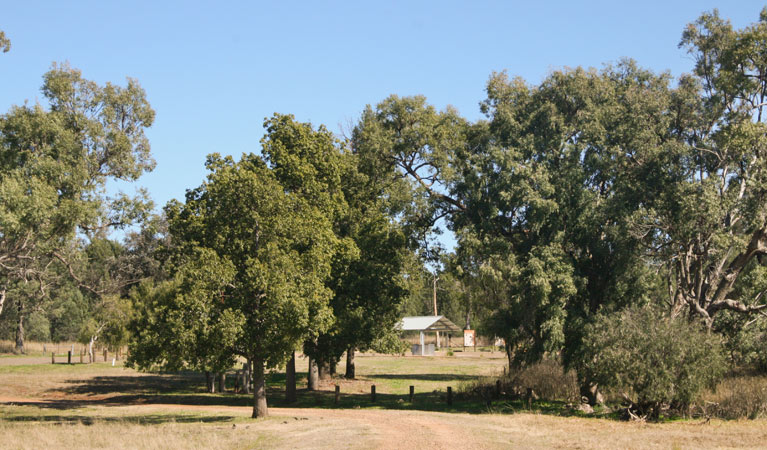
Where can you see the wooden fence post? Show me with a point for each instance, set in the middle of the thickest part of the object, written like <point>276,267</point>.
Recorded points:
<point>105,355</point>
<point>449,396</point>
<point>412,393</point>
<point>338,393</point>
<point>373,393</point>
<point>497,388</point>
<point>53,357</point>
<point>69,356</point>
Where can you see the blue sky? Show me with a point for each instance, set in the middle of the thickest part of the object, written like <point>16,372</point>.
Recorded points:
<point>213,72</point>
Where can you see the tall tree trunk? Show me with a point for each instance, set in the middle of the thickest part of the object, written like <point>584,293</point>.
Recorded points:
<point>3,291</point>
<point>312,379</point>
<point>333,368</point>
<point>259,389</point>
<point>509,355</point>
<point>350,369</point>
<point>246,369</point>
<point>290,380</point>
<point>209,386</point>
<point>20,328</point>
<point>222,382</point>
<point>91,356</point>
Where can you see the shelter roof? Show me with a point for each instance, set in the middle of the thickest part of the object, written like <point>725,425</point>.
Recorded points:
<point>427,323</point>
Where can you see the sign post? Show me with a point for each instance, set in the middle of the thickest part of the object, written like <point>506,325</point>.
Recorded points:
<point>468,339</point>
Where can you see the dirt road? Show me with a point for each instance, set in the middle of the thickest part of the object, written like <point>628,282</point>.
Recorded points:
<point>294,428</point>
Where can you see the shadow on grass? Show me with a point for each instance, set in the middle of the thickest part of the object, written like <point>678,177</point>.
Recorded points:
<point>188,388</point>
<point>185,382</point>
<point>146,419</point>
<point>426,377</point>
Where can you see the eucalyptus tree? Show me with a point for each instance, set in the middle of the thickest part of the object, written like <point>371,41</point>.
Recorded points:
<point>54,163</point>
<point>708,225</point>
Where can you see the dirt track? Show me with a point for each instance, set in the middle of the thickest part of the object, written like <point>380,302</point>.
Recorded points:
<point>389,429</point>
<point>294,428</point>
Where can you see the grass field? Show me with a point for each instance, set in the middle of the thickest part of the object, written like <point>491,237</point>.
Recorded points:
<point>100,406</point>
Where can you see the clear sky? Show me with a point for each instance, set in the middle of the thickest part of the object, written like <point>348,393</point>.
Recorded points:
<point>214,70</point>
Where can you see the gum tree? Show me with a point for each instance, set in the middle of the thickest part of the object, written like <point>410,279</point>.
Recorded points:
<point>54,163</point>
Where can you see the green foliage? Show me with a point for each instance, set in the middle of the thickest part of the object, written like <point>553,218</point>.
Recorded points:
<point>250,257</point>
<point>657,359</point>
<point>38,327</point>
<point>54,166</point>
<point>181,323</point>
<point>745,340</point>
<point>389,343</point>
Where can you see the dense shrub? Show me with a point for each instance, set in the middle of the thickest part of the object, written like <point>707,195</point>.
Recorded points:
<point>650,357</point>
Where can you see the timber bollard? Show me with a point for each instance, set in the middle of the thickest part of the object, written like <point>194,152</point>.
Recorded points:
<point>69,356</point>
<point>497,388</point>
<point>412,393</point>
<point>373,393</point>
<point>338,393</point>
<point>81,356</point>
<point>53,357</point>
<point>105,355</point>
<point>449,396</point>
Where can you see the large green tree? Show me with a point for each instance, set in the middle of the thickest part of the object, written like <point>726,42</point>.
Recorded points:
<point>54,163</point>
<point>707,224</point>
<point>279,247</point>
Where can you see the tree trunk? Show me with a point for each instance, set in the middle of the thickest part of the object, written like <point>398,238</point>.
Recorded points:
<point>290,380</point>
<point>259,390</point>
<point>248,375</point>
<point>222,382</point>
<point>468,319</point>
<point>509,355</point>
<point>20,329</point>
<point>2,299</point>
<point>333,368</point>
<point>590,391</point>
<point>209,386</point>
<point>91,357</point>
<point>350,370</point>
<point>312,379</point>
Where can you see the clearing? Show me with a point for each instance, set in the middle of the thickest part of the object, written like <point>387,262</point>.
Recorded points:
<point>97,406</point>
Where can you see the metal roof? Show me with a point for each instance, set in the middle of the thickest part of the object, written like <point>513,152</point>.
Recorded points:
<point>427,323</point>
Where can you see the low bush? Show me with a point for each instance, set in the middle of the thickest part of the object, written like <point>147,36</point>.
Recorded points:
<point>651,358</point>
<point>547,379</point>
